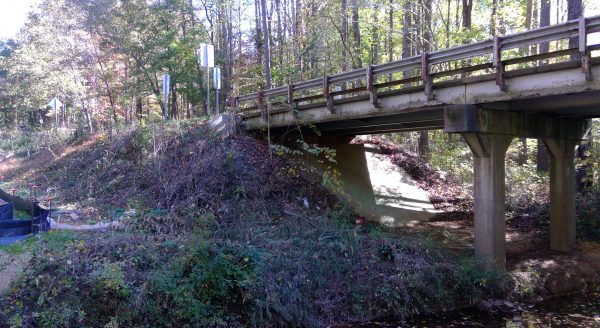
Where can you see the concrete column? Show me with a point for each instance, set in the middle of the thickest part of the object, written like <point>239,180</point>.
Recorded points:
<point>489,151</point>
<point>562,193</point>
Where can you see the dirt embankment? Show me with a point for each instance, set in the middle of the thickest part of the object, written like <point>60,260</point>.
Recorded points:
<point>222,230</point>
<point>219,210</point>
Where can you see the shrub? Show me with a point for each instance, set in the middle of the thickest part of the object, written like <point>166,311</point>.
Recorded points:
<point>207,286</point>
<point>588,216</point>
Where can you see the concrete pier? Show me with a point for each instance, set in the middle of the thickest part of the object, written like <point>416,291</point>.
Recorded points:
<point>489,133</point>
<point>562,194</point>
<point>489,151</point>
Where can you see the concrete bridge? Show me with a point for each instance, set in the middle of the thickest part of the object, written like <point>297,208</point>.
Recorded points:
<point>489,92</point>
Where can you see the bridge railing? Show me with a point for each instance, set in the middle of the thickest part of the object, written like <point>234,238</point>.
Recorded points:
<point>494,59</point>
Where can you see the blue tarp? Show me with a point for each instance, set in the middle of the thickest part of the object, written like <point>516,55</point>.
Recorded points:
<point>6,212</point>
<point>10,240</point>
<point>12,230</point>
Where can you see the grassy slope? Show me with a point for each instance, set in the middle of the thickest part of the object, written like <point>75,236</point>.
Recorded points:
<point>221,237</point>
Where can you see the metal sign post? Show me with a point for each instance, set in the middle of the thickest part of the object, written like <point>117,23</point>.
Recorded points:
<point>55,104</point>
<point>207,59</point>
<point>166,90</point>
<point>217,85</point>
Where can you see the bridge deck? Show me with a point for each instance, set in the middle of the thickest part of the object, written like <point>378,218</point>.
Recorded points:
<point>410,94</point>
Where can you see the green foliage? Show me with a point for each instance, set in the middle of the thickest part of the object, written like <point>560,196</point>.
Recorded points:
<point>234,247</point>
<point>26,143</point>
<point>204,287</point>
<point>588,215</point>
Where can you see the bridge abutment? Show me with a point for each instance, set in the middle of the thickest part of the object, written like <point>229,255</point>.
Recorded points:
<point>348,176</point>
<point>355,180</point>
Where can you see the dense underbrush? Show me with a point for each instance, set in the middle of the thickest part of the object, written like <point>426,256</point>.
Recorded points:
<point>223,236</point>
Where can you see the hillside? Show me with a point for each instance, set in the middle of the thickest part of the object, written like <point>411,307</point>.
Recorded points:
<point>216,234</point>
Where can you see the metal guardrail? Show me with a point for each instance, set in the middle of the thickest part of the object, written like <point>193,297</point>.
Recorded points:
<point>417,72</point>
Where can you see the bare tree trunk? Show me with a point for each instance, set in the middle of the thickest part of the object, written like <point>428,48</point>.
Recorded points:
<point>279,32</point>
<point>406,33</point>
<point>188,113</point>
<point>357,62</point>
<point>375,34</point>
<point>426,26</point>
<point>494,18</point>
<point>344,14</point>
<point>467,9</point>
<point>80,119</point>
<point>63,113</point>
<point>427,46</point>
<point>266,44</point>
<point>258,37</point>
<point>390,32</point>
<point>574,11</point>
<point>528,14</point>
<point>543,157</point>
<point>174,102</point>
<point>297,34</point>
<point>89,120</point>
<point>448,18</point>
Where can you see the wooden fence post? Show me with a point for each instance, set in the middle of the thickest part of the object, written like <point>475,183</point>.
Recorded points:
<point>427,81</point>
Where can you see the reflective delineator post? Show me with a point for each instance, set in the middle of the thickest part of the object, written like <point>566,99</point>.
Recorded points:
<point>207,59</point>
<point>166,90</point>
<point>217,85</point>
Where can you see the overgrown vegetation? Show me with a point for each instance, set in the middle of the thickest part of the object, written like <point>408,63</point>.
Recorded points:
<point>221,237</point>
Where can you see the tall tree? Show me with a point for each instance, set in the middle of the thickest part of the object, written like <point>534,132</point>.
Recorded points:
<point>543,157</point>
<point>574,11</point>
<point>406,29</point>
<point>390,38</point>
<point>357,61</point>
<point>267,56</point>
<point>344,32</point>
<point>467,13</point>
<point>427,46</point>
<point>375,33</point>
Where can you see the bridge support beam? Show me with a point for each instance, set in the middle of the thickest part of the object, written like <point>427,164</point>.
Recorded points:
<point>489,151</point>
<point>562,194</point>
<point>488,133</point>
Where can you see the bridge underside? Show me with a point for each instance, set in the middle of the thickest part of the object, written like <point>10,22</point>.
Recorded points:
<point>554,106</point>
<point>582,105</point>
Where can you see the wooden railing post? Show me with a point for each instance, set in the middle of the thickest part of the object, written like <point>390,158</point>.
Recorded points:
<point>371,86</point>
<point>427,81</point>
<point>586,68</point>
<point>290,95</point>
<point>498,63</point>
<point>327,95</point>
<point>260,103</point>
